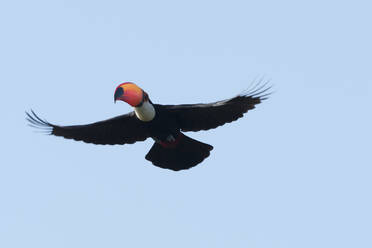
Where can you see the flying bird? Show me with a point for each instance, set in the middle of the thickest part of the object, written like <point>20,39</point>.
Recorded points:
<point>165,124</point>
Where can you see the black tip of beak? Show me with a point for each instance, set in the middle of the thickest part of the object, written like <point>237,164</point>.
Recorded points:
<point>118,93</point>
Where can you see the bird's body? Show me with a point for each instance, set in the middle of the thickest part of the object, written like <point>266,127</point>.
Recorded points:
<point>162,125</point>
<point>165,124</point>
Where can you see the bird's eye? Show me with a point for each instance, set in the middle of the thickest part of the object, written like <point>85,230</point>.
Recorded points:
<point>145,96</point>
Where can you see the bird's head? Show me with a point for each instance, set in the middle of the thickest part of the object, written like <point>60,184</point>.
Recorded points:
<point>131,94</point>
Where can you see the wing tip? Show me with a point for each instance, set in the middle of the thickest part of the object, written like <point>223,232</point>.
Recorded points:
<point>36,122</point>
<point>259,89</point>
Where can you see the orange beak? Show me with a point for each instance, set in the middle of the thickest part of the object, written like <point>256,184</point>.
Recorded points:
<point>129,93</point>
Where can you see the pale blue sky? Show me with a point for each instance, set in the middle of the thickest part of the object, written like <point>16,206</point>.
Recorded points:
<point>295,172</point>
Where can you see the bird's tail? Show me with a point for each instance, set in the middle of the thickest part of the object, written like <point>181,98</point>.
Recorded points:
<point>181,154</point>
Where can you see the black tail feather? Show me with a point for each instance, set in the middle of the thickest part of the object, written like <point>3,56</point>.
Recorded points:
<point>186,154</point>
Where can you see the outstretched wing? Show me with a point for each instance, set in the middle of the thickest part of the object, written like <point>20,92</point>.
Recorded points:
<point>123,129</point>
<point>196,117</point>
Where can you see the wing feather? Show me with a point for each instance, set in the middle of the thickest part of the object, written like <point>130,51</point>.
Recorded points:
<point>123,129</point>
<point>196,117</point>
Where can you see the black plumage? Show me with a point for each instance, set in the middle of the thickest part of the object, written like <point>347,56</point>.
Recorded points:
<point>172,149</point>
<point>120,130</point>
<point>186,154</point>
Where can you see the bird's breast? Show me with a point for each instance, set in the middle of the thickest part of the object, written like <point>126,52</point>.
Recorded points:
<point>146,112</point>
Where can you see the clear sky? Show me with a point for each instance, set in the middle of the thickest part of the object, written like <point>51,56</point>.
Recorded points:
<point>295,172</point>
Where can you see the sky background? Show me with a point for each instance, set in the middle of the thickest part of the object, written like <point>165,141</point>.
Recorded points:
<point>295,172</point>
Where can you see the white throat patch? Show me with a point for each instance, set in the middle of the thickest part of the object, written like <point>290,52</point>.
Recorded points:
<point>146,112</point>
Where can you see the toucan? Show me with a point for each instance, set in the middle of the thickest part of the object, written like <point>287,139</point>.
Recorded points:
<point>165,124</point>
